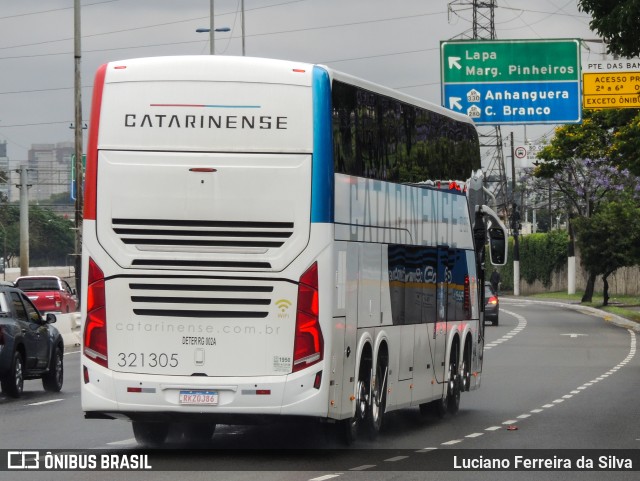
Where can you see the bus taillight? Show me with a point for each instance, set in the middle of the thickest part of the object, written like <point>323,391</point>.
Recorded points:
<point>91,172</point>
<point>95,331</point>
<point>309,343</point>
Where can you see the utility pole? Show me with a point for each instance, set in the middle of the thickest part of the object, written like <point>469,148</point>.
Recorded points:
<point>24,221</point>
<point>77,54</point>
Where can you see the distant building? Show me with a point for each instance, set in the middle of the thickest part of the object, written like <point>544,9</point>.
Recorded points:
<point>49,170</point>
<point>49,173</point>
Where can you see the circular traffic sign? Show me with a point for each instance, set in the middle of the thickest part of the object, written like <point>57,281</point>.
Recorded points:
<point>520,152</point>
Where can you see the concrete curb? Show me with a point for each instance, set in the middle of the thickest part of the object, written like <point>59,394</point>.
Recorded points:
<point>607,316</point>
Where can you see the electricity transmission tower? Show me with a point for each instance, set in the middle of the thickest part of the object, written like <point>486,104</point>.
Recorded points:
<point>483,28</point>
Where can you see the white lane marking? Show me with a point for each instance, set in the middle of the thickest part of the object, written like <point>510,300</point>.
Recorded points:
<point>41,403</point>
<point>396,458</point>
<point>72,352</point>
<point>522,323</point>
<point>491,428</point>
<point>363,467</point>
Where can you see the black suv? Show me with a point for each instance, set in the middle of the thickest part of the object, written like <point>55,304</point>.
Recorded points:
<point>30,347</point>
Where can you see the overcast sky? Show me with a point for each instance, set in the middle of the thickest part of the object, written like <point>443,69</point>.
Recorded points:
<point>394,43</point>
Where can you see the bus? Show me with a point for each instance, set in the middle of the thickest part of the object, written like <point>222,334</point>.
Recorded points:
<point>267,239</point>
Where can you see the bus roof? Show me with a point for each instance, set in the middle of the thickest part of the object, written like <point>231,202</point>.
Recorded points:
<point>250,69</point>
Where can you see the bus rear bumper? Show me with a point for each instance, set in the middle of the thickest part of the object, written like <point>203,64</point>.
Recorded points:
<point>110,394</point>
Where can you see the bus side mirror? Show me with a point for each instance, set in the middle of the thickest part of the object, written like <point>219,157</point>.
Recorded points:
<point>496,232</point>
<point>497,246</point>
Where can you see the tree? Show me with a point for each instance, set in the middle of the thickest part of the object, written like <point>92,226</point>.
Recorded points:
<point>51,239</point>
<point>584,165</point>
<point>616,21</point>
<point>610,239</point>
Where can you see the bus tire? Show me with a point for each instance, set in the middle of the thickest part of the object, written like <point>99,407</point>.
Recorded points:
<point>465,368</point>
<point>348,430</point>
<point>439,406</point>
<point>453,384</point>
<point>352,425</point>
<point>378,401</point>
<point>149,433</point>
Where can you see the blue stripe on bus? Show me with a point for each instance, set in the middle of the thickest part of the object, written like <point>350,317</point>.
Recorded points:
<point>322,171</point>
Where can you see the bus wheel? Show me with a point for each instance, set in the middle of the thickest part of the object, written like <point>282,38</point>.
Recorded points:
<point>378,400</point>
<point>465,369</point>
<point>453,386</point>
<point>149,433</point>
<point>349,430</point>
<point>440,406</point>
<point>350,426</point>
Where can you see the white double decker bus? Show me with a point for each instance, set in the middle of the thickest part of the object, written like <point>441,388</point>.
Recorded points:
<point>267,238</point>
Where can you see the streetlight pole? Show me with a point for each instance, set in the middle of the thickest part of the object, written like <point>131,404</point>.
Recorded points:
<point>242,6</point>
<point>212,48</point>
<point>78,143</point>
<point>211,30</point>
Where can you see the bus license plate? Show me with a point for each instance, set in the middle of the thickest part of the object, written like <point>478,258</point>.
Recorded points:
<point>199,398</point>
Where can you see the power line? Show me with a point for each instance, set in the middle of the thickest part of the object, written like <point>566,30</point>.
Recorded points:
<point>35,124</point>
<point>349,24</point>
<point>55,10</point>
<point>164,24</point>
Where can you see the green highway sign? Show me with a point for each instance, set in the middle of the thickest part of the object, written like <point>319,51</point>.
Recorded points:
<point>512,81</point>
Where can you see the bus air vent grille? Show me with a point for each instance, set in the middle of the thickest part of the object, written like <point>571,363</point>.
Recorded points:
<point>198,299</point>
<point>203,235</point>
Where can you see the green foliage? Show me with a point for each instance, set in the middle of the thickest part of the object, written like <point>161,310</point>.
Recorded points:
<point>625,150</point>
<point>540,256</point>
<point>602,134</point>
<point>51,239</point>
<point>591,139</point>
<point>617,22</point>
<point>610,239</point>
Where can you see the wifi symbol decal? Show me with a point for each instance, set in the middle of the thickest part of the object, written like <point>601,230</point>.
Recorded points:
<point>283,304</point>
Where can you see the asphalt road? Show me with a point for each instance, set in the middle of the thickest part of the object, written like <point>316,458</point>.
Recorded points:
<point>554,380</point>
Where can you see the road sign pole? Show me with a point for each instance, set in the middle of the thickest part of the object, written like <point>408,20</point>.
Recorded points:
<point>515,224</point>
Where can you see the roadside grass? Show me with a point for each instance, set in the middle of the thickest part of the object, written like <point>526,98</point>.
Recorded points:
<point>623,306</point>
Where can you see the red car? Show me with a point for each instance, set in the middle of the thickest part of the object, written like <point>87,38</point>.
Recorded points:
<point>49,293</point>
